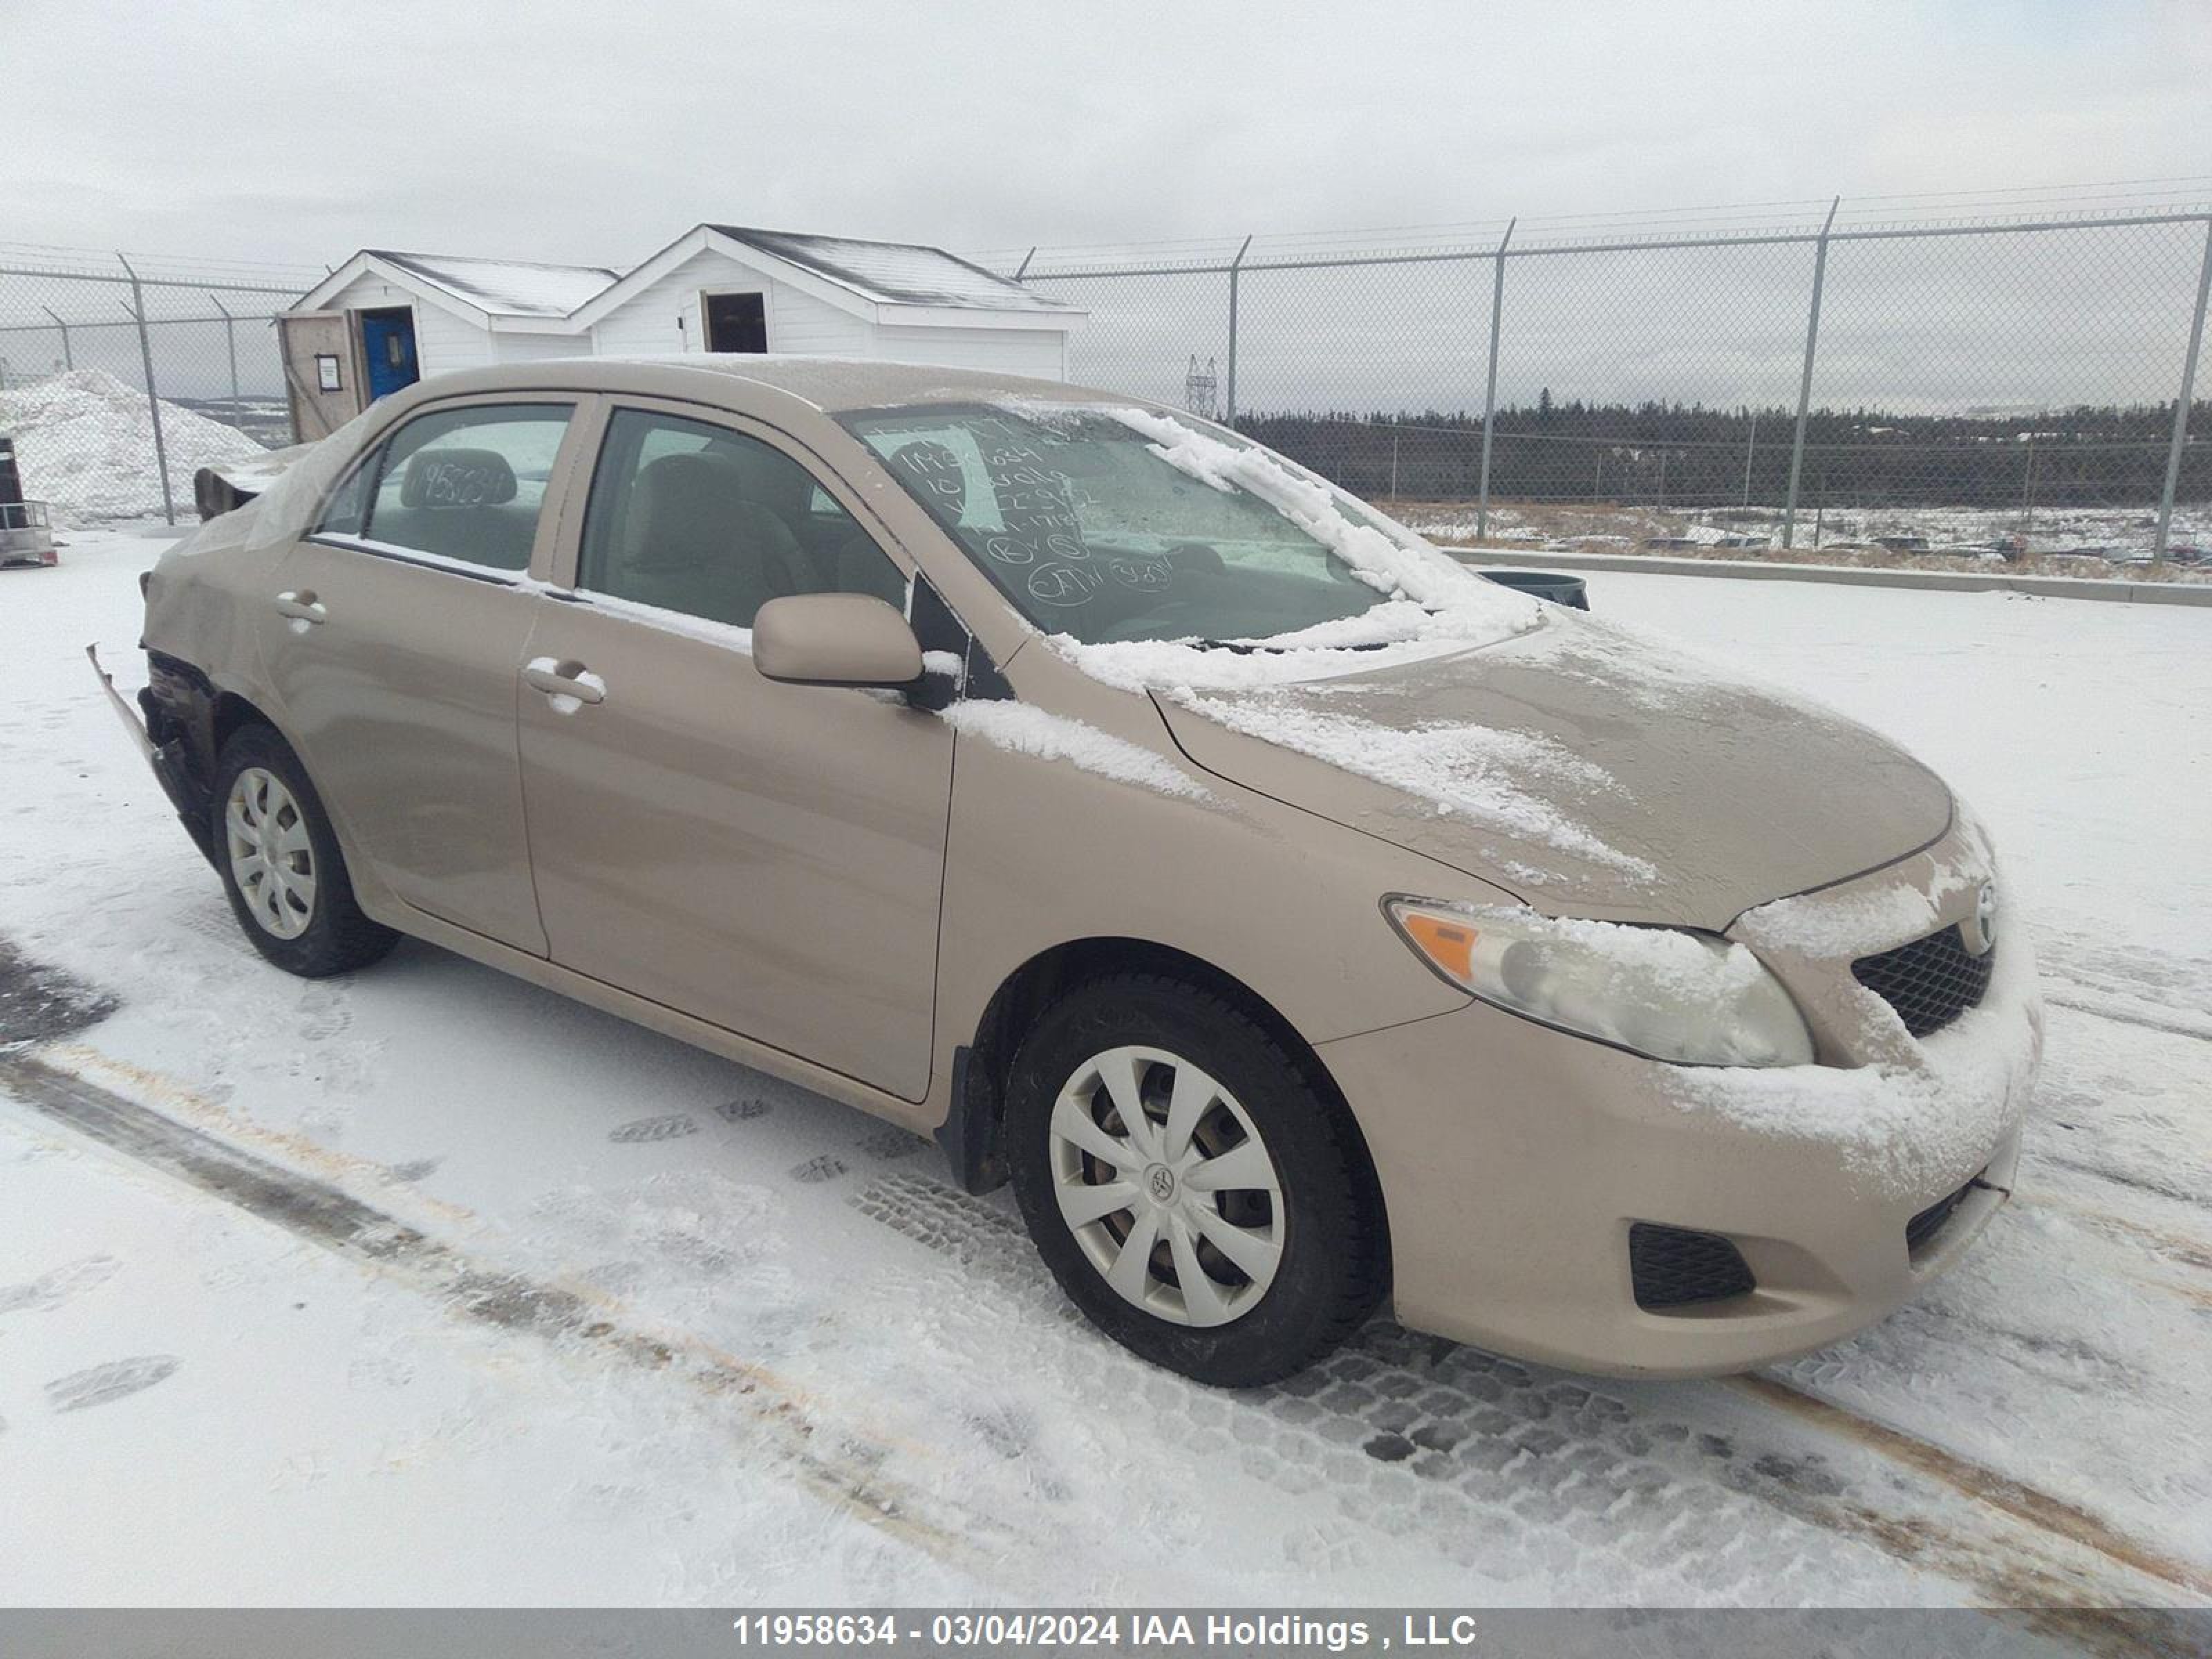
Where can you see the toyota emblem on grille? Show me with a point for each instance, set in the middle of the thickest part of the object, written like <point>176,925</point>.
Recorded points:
<point>1981,928</point>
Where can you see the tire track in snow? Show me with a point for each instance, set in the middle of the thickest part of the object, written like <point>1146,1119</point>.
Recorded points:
<point>1976,1481</point>
<point>2141,1022</point>
<point>1576,1462</point>
<point>840,1464</point>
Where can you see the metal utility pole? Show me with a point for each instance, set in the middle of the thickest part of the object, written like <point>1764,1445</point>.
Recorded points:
<point>69,358</point>
<point>1236,267</point>
<point>2181,404</point>
<point>1805,382</point>
<point>1750,444</point>
<point>230,344</point>
<point>153,399</point>
<point>1490,386</point>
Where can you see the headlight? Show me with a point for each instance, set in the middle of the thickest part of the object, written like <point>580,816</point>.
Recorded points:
<point>1659,990</point>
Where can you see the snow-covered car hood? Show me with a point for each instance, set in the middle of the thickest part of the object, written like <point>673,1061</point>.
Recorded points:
<point>1583,767</point>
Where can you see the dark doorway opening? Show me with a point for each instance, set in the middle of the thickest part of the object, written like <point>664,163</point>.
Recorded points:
<point>737,322</point>
<point>388,350</point>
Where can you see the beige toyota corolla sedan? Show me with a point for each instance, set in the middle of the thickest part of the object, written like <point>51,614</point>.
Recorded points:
<point>1298,920</point>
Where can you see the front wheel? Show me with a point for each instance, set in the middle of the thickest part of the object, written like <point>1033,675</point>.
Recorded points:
<point>1188,1187</point>
<point>279,862</point>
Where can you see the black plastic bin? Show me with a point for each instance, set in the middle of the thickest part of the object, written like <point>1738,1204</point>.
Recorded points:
<point>1545,585</point>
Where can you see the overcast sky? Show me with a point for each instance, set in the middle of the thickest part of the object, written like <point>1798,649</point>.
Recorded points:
<point>597,131</point>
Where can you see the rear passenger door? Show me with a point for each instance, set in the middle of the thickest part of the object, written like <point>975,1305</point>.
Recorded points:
<point>392,638</point>
<point>766,858</point>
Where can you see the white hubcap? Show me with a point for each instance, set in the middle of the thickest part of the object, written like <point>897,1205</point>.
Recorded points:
<point>1164,1180</point>
<point>271,858</point>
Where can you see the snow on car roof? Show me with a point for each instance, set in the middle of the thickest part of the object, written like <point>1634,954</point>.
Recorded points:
<point>895,273</point>
<point>514,287</point>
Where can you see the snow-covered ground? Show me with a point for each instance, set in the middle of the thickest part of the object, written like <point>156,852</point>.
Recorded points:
<point>2114,535</point>
<point>425,1285</point>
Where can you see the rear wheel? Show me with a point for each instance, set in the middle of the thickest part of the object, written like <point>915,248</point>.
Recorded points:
<point>1191,1191</point>
<point>279,862</point>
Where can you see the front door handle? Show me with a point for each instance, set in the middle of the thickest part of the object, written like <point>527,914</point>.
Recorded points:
<point>302,606</point>
<point>558,679</point>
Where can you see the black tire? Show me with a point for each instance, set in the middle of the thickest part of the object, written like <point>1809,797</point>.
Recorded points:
<point>1335,1265</point>
<point>338,938</point>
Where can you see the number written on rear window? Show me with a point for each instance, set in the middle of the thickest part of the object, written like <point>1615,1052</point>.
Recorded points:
<point>465,484</point>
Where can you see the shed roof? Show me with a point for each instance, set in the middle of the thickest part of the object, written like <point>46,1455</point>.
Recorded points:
<point>510,287</point>
<point>893,273</point>
<point>904,283</point>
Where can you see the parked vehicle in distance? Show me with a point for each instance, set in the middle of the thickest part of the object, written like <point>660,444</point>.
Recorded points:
<point>1298,919</point>
<point>1570,591</point>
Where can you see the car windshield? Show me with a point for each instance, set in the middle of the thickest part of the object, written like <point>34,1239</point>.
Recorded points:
<point>1113,525</point>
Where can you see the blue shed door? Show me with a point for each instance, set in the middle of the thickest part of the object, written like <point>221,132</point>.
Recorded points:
<point>387,343</point>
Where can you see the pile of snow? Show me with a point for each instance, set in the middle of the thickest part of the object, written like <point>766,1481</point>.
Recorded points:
<point>84,443</point>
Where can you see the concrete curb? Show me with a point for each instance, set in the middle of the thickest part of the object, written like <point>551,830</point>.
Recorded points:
<point>1946,581</point>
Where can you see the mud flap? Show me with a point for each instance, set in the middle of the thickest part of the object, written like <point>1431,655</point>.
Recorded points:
<point>970,1135</point>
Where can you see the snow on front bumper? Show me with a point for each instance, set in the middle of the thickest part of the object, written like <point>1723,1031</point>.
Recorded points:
<point>1514,1159</point>
<point>1904,1112</point>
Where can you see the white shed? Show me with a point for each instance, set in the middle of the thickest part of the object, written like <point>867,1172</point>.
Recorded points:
<point>383,320</point>
<point>728,288</point>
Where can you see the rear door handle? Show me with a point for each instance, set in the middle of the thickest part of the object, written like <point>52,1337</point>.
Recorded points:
<point>558,679</point>
<point>301,606</point>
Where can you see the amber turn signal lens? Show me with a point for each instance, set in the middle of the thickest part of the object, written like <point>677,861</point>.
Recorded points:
<point>1449,945</point>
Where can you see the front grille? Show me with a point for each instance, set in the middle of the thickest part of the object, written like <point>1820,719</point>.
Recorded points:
<point>1922,1229</point>
<point>1930,982</point>
<point>1673,1267</point>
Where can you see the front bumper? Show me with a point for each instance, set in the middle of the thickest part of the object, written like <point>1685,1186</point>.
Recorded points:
<point>1514,1159</point>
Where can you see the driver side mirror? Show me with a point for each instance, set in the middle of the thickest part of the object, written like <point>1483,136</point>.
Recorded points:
<point>835,639</point>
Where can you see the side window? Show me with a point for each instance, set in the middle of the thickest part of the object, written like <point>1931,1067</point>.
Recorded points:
<point>697,518</point>
<point>347,511</point>
<point>460,483</point>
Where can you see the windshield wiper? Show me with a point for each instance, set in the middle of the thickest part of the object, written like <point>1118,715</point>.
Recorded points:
<point>1247,648</point>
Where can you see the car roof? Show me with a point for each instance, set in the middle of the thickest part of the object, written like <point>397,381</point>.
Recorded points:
<point>828,383</point>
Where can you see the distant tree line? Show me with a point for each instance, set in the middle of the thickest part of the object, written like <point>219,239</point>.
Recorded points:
<point>1657,453</point>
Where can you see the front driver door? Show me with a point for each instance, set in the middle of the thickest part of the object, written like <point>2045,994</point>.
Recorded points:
<point>393,636</point>
<point>767,858</point>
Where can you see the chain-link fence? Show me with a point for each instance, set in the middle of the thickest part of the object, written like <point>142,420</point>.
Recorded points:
<point>120,378</point>
<point>1900,377</point>
<point>1932,375</point>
